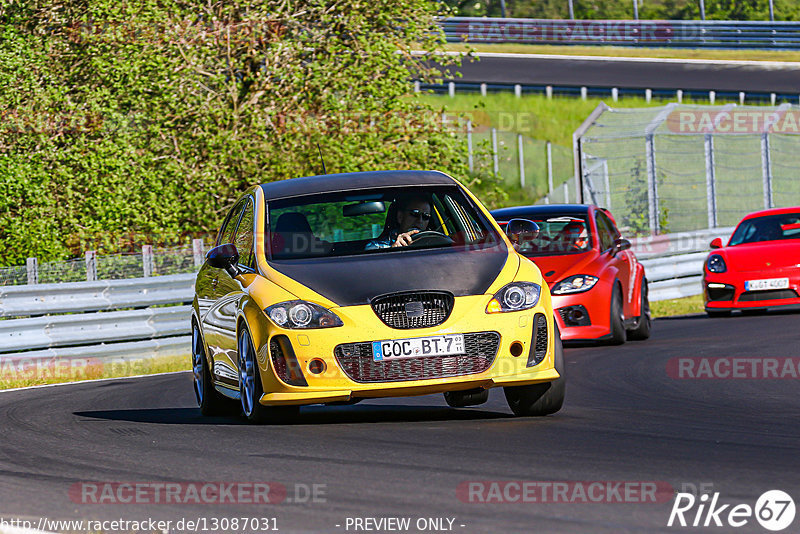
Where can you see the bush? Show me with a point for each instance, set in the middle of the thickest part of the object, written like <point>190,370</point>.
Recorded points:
<point>132,123</point>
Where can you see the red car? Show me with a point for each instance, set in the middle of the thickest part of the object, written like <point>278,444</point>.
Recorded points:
<point>599,288</point>
<point>760,266</point>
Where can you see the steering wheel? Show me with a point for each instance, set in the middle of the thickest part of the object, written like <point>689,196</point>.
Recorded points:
<point>430,238</point>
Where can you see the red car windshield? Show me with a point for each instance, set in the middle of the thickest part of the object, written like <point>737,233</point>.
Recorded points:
<point>767,228</point>
<point>559,234</point>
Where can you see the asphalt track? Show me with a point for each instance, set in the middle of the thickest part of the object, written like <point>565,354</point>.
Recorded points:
<point>625,419</point>
<point>761,77</point>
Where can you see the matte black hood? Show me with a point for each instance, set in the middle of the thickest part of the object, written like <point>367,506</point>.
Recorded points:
<point>354,280</point>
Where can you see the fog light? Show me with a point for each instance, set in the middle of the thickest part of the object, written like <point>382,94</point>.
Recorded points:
<point>516,348</point>
<point>316,366</point>
<point>576,315</point>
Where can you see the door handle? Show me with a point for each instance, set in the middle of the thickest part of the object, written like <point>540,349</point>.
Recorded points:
<point>214,282</point>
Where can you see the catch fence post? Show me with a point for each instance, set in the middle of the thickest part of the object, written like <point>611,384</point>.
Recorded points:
<point>549,172</point>
<point>470,161</point>
<point>91,265</point>
<point>652,185</point>
<point>147,260</point>
<point>496,166</point>
<point>32,266</point>
<point>521,161</point>
<point>198,252</point>
<point>766,171</point>
<point>711,183</point>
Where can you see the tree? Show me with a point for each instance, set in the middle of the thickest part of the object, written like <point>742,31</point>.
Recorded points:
<point>142,121</point>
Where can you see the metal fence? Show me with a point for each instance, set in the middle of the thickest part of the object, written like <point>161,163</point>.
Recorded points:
<point>681,167</point>
<point>638,33</point>
<point>111,320</point>
<point>93,321</point>
<point>149,262</point>
<point>528,167</point>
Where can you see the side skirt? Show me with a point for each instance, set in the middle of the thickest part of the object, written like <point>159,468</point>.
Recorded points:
<point>228,391</point>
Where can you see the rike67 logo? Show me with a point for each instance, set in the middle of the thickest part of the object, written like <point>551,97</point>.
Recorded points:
<point>774,510</point>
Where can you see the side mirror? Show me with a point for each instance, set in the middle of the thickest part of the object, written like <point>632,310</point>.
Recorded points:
<point>224,257</point>
<point>716,243</point>
<point>520,231</point>
<point>621,244</point>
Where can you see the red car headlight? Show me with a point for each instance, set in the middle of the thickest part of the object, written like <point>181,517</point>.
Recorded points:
<point>716,264</point>
<point>575,284</point>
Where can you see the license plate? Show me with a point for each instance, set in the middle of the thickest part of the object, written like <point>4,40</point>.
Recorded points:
<point>769,283</point>
<point>419,347</point>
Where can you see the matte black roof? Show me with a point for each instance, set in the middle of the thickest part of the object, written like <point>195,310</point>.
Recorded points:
<point>331,183</point>
<point>505,214</point>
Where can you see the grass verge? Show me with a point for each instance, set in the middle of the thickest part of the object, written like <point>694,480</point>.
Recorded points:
<point>682,306</point>
<point>57,371</point>
<point>622,51</point>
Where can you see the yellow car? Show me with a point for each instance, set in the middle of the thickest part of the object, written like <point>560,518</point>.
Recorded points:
<point>337,288</point>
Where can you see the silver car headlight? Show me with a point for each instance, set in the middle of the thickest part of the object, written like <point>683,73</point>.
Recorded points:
<point>515,296</point>
<point>302,314</point>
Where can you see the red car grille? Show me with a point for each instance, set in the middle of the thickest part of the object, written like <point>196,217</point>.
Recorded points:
<point>356,361</point>
<point>773,294</point>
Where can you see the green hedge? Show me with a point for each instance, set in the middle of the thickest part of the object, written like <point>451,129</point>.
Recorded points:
<point>133,123</point>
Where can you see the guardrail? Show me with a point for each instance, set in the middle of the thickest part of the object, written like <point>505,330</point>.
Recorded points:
<point>38,299</point>
<point>91,328</point>
<point>614,93</point>
<point>675,276</point>
<point>82,329</point>
<point>85,321</point>
<point>674,262</point>
<point>637,33</point>
<point>678,243</point>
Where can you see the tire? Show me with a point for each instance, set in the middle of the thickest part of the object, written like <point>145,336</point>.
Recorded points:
<point>471,397</point>
<point>210,401</point>
<point>250,388</point>
<point>540,399</point>
<point>644,324</point>
<point>617,335</point>
<point>718,313</point>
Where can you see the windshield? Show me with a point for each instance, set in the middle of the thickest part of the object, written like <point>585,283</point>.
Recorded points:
<point>370,222</point>
<point>768,228</point>
<point>558,234</point>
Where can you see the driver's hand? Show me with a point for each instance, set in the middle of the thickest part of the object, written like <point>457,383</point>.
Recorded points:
<point>404,239</point>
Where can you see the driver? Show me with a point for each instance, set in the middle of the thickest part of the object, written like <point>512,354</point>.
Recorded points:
<point>408,215</point>
<point>575,236</point>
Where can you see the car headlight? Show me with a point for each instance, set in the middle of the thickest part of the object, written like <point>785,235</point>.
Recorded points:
<point>716,264</point>
<point>302,314</point>
<point>575,284</point>
<point>515,296</point>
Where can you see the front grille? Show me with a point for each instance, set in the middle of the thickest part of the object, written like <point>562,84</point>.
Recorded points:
<point>356,361</point>
<point>539,340</point>
<point>772,294</point>
<point>415,309</point>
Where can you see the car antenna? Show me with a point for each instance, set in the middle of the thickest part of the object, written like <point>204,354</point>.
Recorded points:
<point>322,159</point>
